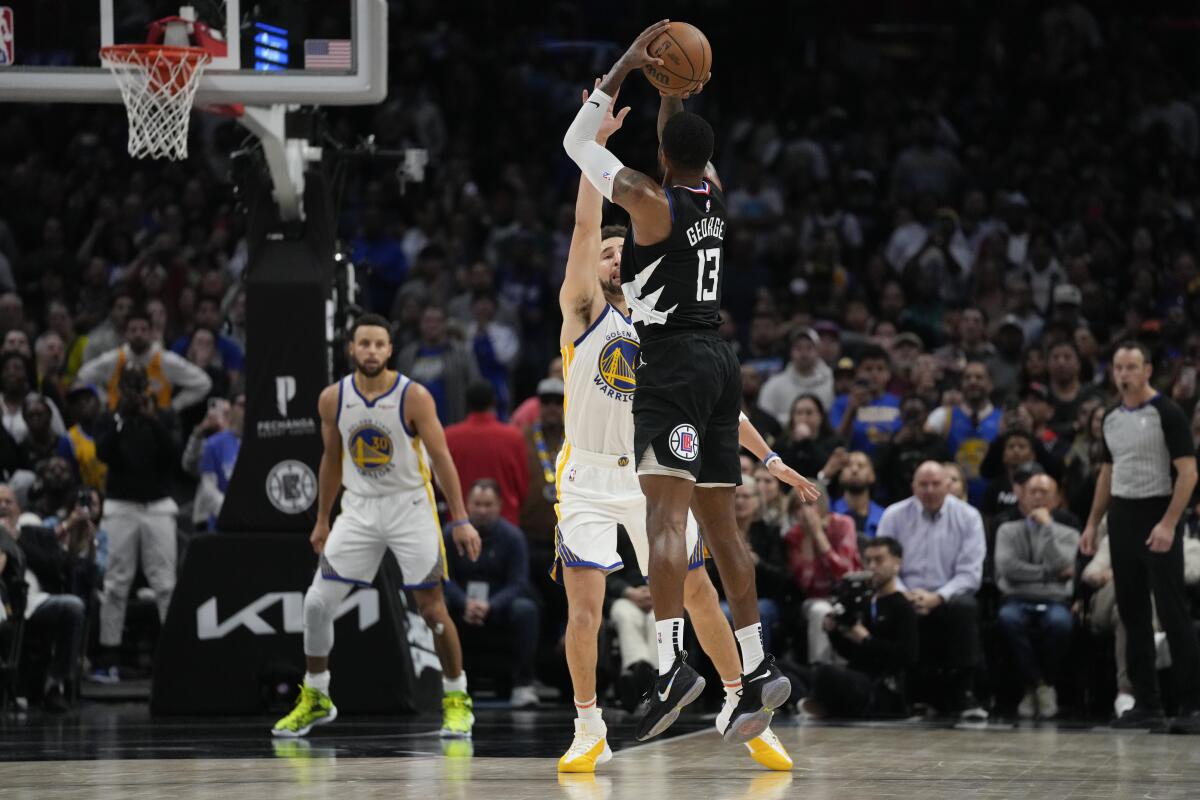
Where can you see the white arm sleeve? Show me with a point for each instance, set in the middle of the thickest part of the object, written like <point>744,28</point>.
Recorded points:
<point>597,164</point>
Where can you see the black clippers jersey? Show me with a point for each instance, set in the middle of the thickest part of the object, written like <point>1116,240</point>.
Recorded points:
<point>675,286</point>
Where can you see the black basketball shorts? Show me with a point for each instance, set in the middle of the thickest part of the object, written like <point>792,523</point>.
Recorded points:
<point>686,409</point>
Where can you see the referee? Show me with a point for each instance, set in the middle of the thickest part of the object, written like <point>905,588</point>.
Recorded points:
<point>1148,473</point>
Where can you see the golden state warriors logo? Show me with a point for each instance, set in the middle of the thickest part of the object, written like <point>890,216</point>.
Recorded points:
<point>370,449</point>
<point>616,364</point>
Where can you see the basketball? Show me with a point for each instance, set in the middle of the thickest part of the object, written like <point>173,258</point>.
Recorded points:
<point>687,59</point>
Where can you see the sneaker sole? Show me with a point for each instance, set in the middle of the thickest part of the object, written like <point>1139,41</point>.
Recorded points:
<point>669,718</point>
<point>446,733</point>
<point>325,720</point>
<point>748,726</point>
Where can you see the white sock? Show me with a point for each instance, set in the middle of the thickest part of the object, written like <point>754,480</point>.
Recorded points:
<point>731,690</point>
<point>588,710</point>
<point>458,684</point>
<point>318,681</point>
<point>750,640</point>
<point>670,642</point>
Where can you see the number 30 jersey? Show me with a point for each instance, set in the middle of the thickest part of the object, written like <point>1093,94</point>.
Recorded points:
<point>674,286</point>
<point>380,456</point>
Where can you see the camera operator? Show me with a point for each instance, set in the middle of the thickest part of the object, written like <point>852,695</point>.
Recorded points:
<point>878,641</point>
<point>140,446</point>
<point>59,571</point>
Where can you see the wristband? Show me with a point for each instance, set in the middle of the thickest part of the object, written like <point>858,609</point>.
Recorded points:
<point>769,457</point>
<point>458,523</point>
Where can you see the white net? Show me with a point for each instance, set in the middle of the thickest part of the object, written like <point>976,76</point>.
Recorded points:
<point>158,85</point>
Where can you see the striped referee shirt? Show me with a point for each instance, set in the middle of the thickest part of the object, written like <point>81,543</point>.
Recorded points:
<point>1141,443</point>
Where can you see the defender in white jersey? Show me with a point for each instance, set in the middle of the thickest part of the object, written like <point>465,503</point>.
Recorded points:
<point>598,485</point>
<point>381,435</point>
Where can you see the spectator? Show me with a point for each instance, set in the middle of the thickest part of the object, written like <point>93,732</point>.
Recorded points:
<point>531,409</point>
<point>41,441</point>
<point>216,465</point>
<point>1082,462</point>
<point>879,649</point>
<point>1067,390</point>
<point>108,334</point>
<point>809,444</point>
<point>83,403</point>
<point>481,278</point>
<point>227,354</point>
<point>543,440</point>
<point>202,352</point>
<point>1019,458</point>
<point>774,501</point>
<point>58,320</point>
<point>956,482</point>
<point>910,447</point>
<point>972,343</point>
<point>50,362</point>
<point>53,559</point>
<point>970,426</point>
<point>869,415</point>
<point>763,422</point>
<point>763,351</point>
<point>379,253</point>
<point>139,444</point>
<point>1042,270</point>
<point>17,341</point>
<point>857,480</point>
<point>441,365</point>
<point>491,593</point>
<point>484,447</point>
<point>172,382</point>
<point>944,548</point>
<point>767,551</point>
<point>495,346</point>
<point>1006,366</point>
<point>1035,562</point>
<point>15,381</point>
<point>822,548</point>
<point>806,373</point>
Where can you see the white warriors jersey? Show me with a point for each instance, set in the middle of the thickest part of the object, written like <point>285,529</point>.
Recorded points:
<point>380,456</point>
<point>598,375</point>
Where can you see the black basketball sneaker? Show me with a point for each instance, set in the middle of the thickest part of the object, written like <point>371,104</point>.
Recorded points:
<point>763,691</point>
<point>668,695</point>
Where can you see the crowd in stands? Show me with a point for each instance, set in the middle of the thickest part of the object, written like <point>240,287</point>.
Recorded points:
<point>936,238</point>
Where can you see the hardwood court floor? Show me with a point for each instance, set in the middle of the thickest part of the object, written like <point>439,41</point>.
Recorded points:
<point>131,760</point>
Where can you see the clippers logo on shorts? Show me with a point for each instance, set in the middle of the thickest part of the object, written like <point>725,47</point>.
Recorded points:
<point>370,450</point>
<point>291,486</point>
<point>685,442</point>
<point>615,372</point>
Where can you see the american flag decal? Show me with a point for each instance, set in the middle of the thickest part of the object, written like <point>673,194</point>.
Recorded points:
<point>327,53</point>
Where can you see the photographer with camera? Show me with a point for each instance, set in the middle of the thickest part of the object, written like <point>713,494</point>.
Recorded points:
<point>874,628</point>
<point>139,444</point>
<point>59,572</point>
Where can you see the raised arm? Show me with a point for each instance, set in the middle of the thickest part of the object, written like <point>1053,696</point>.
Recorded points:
<point>579,298</point>
<point>635,192</point>
<point>421,416</point>
<point>752,440</point>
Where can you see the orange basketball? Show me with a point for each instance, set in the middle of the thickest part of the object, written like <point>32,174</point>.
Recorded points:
<point>687,59</point>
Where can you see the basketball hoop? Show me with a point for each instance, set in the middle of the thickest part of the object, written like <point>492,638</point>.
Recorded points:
<point>158,84</point>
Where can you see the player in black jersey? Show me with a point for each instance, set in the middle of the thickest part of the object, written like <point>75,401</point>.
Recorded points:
<point>687,405</point>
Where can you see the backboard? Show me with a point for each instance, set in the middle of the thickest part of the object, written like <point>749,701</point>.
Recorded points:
<point>306,52</point>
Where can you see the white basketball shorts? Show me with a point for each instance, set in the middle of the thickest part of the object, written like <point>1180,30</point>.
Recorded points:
<point>406,523</point>
<point>596,493</point>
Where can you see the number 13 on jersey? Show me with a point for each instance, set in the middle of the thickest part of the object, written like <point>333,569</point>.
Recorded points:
<point>704,257</point>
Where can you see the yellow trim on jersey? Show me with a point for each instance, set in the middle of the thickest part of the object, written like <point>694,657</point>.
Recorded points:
<point>437,521</point>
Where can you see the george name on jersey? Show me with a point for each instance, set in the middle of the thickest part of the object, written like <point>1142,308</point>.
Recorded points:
<point>704,228</point>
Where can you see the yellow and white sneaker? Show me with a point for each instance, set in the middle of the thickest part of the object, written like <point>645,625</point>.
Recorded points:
<point>767,750</point>
<point>589,748</point>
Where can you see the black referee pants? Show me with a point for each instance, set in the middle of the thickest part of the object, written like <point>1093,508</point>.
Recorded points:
<point>1136,573</point>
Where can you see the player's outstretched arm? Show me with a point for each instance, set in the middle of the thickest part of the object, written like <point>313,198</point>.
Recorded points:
<point>420,415</point>
<point>579,298</point>
<point>752,440</point>
<point>635,192</point>
<point>329,476</point>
